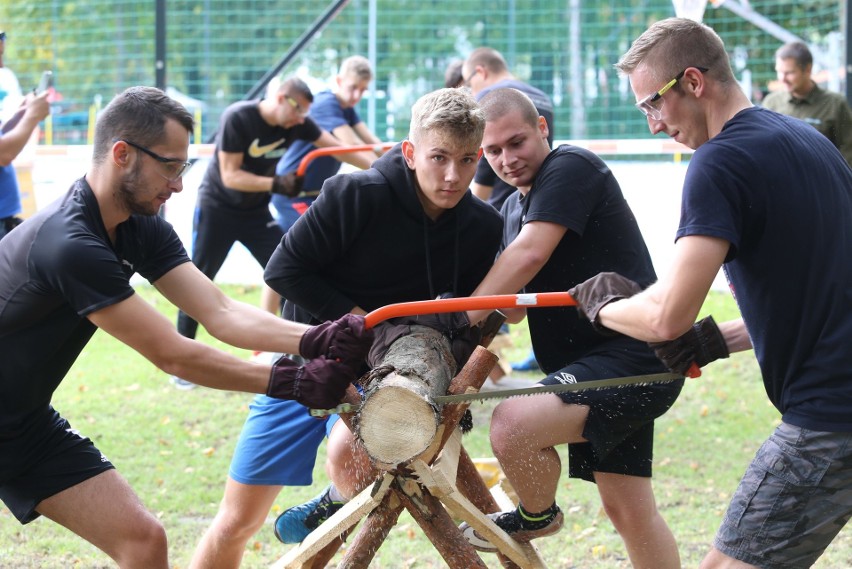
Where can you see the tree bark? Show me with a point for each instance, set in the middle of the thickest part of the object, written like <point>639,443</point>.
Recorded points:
<point>398,419</point>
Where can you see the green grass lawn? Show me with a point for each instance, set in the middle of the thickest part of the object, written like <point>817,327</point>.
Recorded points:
<point>174,447</point>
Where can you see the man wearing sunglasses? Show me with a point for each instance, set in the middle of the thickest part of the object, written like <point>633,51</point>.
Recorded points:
<point>65,272</point>
<point>233,198</point>
<point>768,198</point>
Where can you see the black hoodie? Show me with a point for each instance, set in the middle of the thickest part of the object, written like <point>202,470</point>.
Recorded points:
<point>367,242</point>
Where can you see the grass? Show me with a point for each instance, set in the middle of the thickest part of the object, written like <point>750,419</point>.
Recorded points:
<point>174,448</point>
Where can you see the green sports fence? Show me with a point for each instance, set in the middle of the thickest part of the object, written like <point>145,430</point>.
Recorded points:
<point>217,51</point>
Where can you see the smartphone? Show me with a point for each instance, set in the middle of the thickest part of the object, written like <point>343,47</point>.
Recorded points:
<point>45,83</point>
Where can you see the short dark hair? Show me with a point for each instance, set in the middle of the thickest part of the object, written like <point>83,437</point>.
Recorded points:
<point>295,86</point>
<point>500,102</point>
<point>796,51</point>
<point>487,57</point>
<point>453,75</point>
<point>138,114</point>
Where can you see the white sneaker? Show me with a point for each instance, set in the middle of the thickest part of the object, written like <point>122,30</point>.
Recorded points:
<point>181,384</point>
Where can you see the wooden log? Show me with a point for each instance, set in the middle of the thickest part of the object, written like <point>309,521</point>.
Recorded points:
<point>439,527</point>
<point>398,419</point>
<point>470,378</point>
<point>372,533</point>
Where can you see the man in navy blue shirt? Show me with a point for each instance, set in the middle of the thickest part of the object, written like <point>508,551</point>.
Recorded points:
<point>767,198</point>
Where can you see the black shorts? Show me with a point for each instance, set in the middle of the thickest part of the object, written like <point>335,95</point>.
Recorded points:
<point>45,458</point>
<point>620,426</point>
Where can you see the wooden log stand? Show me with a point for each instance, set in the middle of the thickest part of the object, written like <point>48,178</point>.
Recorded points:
<point>440,483</point>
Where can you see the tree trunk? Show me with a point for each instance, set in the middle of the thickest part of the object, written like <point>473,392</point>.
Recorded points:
<point>398,419</point>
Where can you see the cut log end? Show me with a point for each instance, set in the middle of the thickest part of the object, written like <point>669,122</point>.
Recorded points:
<point>397,422</point>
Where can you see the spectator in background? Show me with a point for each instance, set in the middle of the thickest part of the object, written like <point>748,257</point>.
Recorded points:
<point>333,110</point>
<point>483,71</point>
<point>233,198</point>
<point>10,89</point>
<point>15,132</point>
<point>453,75</point>
<point>802,98</point>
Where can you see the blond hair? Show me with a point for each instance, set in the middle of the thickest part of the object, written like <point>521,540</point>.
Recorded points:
<point>452,112</point>
<point>358,66</point>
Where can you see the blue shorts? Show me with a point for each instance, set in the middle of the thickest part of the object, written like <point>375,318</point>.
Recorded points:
<point>278,444</point>
<point>792,501</point>
<point>291,209</point>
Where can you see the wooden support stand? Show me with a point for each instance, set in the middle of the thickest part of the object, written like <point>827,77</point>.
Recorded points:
<point>439,483</point>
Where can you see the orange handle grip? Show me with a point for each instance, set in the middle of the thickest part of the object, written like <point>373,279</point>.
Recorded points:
<point>693,371</point>
<point>332,150</point>
<point>492,302</point>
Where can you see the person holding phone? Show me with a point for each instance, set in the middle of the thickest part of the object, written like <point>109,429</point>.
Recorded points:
<point>14,135</point>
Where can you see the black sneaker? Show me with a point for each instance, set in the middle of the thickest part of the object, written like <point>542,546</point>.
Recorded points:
<point>294,524</point>
<point>518,529</point>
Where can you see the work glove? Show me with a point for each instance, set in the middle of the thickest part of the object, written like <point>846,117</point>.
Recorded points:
<point>346,339</point>
<point>598,291</point>
<point>454,325</point>
<point>318,384</point>
<point>289,184</point>
<point>702,344</point>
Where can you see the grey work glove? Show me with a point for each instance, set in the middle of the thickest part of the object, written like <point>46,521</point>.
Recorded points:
<point>702,344</point>
<point>289,184</point>
<point>595,293</point>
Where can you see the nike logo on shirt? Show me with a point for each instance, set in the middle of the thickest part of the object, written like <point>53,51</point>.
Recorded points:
<point>257,151</point>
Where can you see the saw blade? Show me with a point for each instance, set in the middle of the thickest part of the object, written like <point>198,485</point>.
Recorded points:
<point>525,391</point>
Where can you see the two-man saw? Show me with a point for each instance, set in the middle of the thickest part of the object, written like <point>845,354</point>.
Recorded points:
<point>497,302</point>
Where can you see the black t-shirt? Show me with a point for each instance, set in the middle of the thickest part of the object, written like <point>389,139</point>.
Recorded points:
<point>242,129</point>
<point>781,195</point>
<point>55,269</point>
<point>575,189</point>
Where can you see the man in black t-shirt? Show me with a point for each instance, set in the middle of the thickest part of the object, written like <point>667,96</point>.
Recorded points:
<point>65,272</point>
<point>484,70</point>
<point>233,199</point>
<point>568,222</point>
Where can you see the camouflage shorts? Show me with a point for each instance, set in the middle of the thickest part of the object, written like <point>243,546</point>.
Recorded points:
<point>793,500</point>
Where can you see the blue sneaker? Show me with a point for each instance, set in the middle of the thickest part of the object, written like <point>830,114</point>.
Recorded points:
<point>529,364</point>
<point>181,384</point>
<point>294,524</point>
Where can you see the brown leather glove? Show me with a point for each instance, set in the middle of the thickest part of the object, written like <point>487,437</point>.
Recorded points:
<point>702,344</point>
<point>289,184</point>
<point>319,384</point>
<point>598,291</point>
<point>346,339</point>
